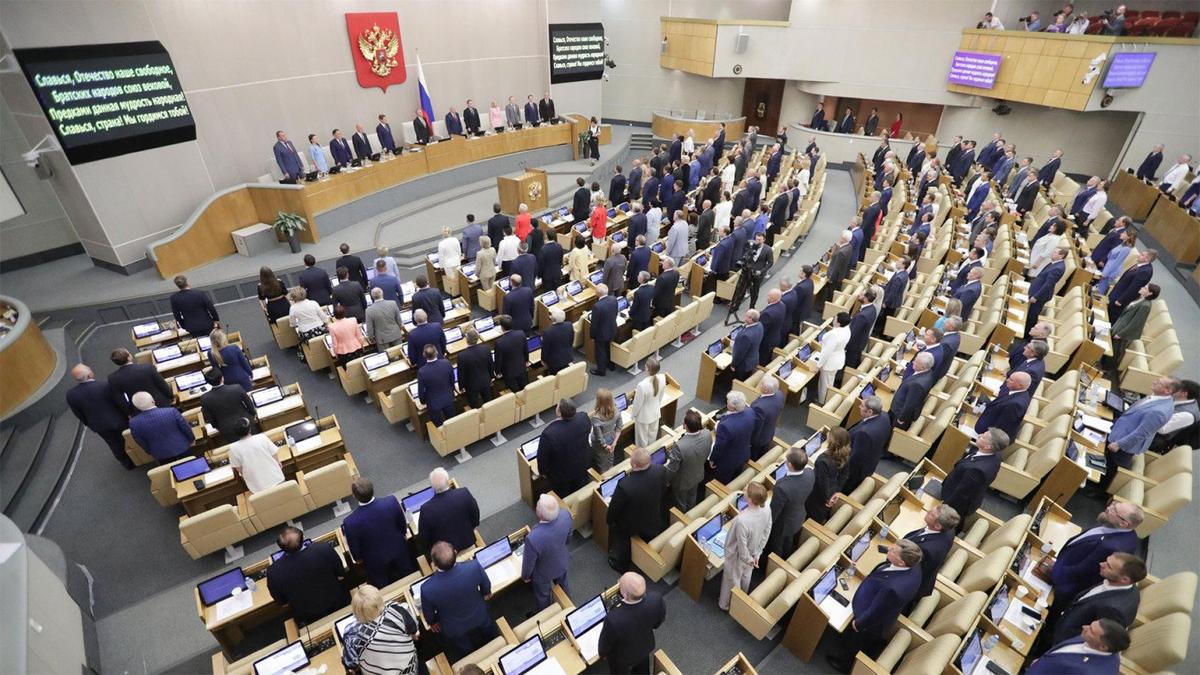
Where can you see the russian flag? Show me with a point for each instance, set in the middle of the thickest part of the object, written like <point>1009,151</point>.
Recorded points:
<point>423,91</point>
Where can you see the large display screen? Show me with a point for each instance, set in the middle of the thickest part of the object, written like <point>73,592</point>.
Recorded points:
<point>576,52</point>
<point>974,69</point>
<point>108,100</point>
<point>1128,69</point>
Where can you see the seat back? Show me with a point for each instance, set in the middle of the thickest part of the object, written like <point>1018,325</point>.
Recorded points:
<point>498,413</point>
<point>985,573</point>
<point>956,617</point>
<point>1009,534</point>
<point>571,380</point>
<point>932,657</point>
<point>1161,643</point>
<point>1166,498</point>
<point>537,396</point>
<point>160,483</point>
<point>329,483</point>
<point>277,504</point>
<point>212,530</point>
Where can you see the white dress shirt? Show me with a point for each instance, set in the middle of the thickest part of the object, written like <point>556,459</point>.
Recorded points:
<point>508,249</point>
<point>721,213</point>
<point>1095,204</point>
<point>449,253</point>
<point>1175,174</point>
<point>1178,420</point>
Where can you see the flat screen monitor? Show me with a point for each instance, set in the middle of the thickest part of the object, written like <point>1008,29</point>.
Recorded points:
<point>414,390</point>
<point>548,218</point>
<point>972,652</point>
<point>189,469</point>
<point>530,449</point>
<point>658,247</point>
<point>485,324</point>
<point>825,585</point>
<point>860,547</point>
<point>563,211</point>
<point>585,617</point>
<point>1113,400</point>
<point>574,288</point>
<point>702,260</point>
<point>781,471</point>
<point>868,391</point>
<point>221,586</point>
<point>715,348</point>
<point>622,303</point>
<point>608,487</point>
<point>413,503</point>
<point>805,353</point>
<point>447,304</point>
<point>266,396</point>
<point>621,401</point>
<point>885,373</point>
<point>168,353</point>
<point>813,443</point>
<point>532,344</point>
<point>494,552</point>
<point>549,298</point>
<point>406,316</point>
<point>375,361</point>
<point>974,69</point>
<point>454,335</point>
<point>434,258</point>
<point>581,226</point>
<point>524,657</point>
<point>709,529</point>
<point>786,369</point>
<point>301,431</point>
<point>343,626</point>
<point>618,236</point>
<point>742,502</point>
<point>659,456</point>
<point>290,659</point>
<point>189,381</point>
<point>204,343</point>
<point>1128,70</point>
<point>468,270</point>
<point>504,284</point>
<point>999,606</point>
<point>596,277</point>
<point>142,330</point>
<point>612,213</point>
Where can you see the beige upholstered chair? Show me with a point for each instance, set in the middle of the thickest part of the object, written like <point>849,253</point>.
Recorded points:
<point>1159,502</point>
<point>160,483</point>
<point>900,658</point>
<point>275,505</point>
<point>456,433</point>
<point>213,530</point>
<point>1159,644</point>
<point>1176,593</point>
<point>327,484</point>
<point>498,414</point>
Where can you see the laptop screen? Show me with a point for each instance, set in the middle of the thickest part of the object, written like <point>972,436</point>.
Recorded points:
<point>1113,400</point>
<point>416,500</point>
<point>523,657</point>
<point>468,270</point>
<point>414,391</point>
<point>302,431</point>
<point>530,449</point>
<point>999,606</point>
<point>709,530</point>
<point>860,547</point>
<point>621,401</point>
<point>494,552</point>
<point>189,381</point>
<point>375,361</point>
<point>742,502</point>
<point>221,586</point>
<point>549,298</point>
<point>622,303</point>
<point>658,247</point>
<point>266,396</point>
<point>581,227</point>
<point>505,284</point>
<point>608,487</point>
<point>532,344</point>
<point>433,258</point>
<point>582,619</point>
<point>612,213</point>
<point>189,469</point>
<point>972,652</point>
<point>781,471</point>
<point>454,335</point>
<point>786,369</point>
<point>485,324</point>
<point>406,316</point>
<point>166,353</point>
<point>868,391</point>
<point>204,344</point>
<point>596,277</point>
<point>574,288</point>
<point>805,353</point>
<point>659,456</point>
<point>825,585</point>
<point>733,334</point>
<point>885,373</point>
<point>447,304</point>
<point>813,443</point>
<point>287,660</point>
<point>618,236</point>
<point>343,626</point>
<point>142,330</point>
<point>715,348</point>
<point>702,260</point>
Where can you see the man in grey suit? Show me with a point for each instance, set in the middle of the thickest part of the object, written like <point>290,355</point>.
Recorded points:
<point>686,458</point>
<point>546,556</point>
<point>787,503</point>
<point>614,269</point>
<point>383,322</point>
<point>512,113</point>
<point>839,264</point>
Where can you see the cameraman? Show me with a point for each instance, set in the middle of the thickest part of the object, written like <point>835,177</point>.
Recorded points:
<point>1033,22</point>
<point>990,22</point>
<point>758,260</point>
<point>1114,21</point>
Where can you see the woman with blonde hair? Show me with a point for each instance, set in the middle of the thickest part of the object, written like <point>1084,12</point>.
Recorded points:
<point>392,268</point>
<point>579,259</point>
<point>305,315</point>
<point>381,639</point>
<point>830,470</point>
<point>485,263</point>
<point>953,308</point>
<point>647,404</point>
<point>606,426</point>
<point>232,361</point>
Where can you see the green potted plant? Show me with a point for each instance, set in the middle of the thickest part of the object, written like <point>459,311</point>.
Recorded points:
<point>289,225</point>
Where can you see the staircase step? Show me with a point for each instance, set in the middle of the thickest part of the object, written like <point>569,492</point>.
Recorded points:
<point>19,459</point>
<point>48,474</point>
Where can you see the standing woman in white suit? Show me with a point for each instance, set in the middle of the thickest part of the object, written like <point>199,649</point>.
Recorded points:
<point>833,353</point>
<point>647,404</point>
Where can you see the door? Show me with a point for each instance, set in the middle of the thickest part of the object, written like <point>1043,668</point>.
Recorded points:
<point>761,101</point>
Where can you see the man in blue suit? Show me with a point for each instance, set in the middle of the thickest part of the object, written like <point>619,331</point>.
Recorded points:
<point>641,310</point>
<point>637,223</point>
<point>773,319</point>
<point>428,299</point>
<point>877,604</point>
<point>193,310</point>
<point>968,293</point>
<point>362,144</point>
<point>1084,194</point>
<point>719,142</point>
<point>951,339</point>
<point>435,385</point>
<point>1133,431</point>
<point>1042,288</point>
<point>287,158</point>
<point>1023,169</point>
<point>339,147</point>
<point>869,437</point>
<point>1077,565</point>
<point>454,124</point>
<point>1004,167</point>
<point>1096,651</point>
<point>518,304</point>
<point>935,540</point>
<point>639,261</point>
<point>846,124</point>
<point>893,292</point>
<point>773,161</point>
<point>650,190</point>
<point>1006,411</point>
<point>766,408</point>
<point>754,186</point>
<point>161,431</point>
<point>860,328</point>
<point>974,259</point>
<point>818,119</point>
<point>558,343</point>
<point>97,405</point>
<point>546,556</point>
<point>979,192</point>
<point>870,222</point>
<point>1050,169</point>
<point>564,454</point>
<point>1149,166</point>
<point>858,244</point>
<point>532,117</point>
<point>989,151</point>
<point>454,602</point>
<point>1131,281</point>
<point>735,431</point>
<point>383,131</point>
<point>741,239</point>
<point>603,329</point>
<point>804,298</point>
<point>526,265</point>
<point>746,345</point>
<point>932,339</point>
<point>968,481</point>
<point>1116,598</point>
<point>376,535</point>
<point>511,355</point>
<point>451,515</point>
<point>722,256</point>
<point>910,395</point>
<point>666,188</point>
<point>963,163</point>
<point>424,333</point>
<point>1032,362</point>
<point>315,282</point>
<point>1109,242</point>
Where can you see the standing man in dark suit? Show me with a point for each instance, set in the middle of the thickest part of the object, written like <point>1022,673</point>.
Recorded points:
<point>1006,411</point>
<point>496,225</point>
<point>454,601</point>
<point>722,254</point>
<point>731,449</point>
<point>650,189</point>
<point>476,370</point>
<point>804,299</point>
<point>451,515</point>
<point>878,602</point>
<point>846,124</point>
<point>383,131</point>
<point>376,534</point>
<point>1077,565</point>
<point>1050,169</point>
<point>349,294</point>
<point>1110,241</point>
<point>525,265</point>
<point>162,432</point>
<point>546,556</point>
<point>1043,287</point>
<point>818,119</point>
<point>778,217</point>
<point>546,108</point>
<point>518,304</point>
<point>1115,598</point>
<point>471,119</point>
<point>869,437</point>
<point>839,265</point>
<point>315,281</point>
<point>636,508</point>
<point>99,408</point>
<point>435,386</point>
<point>424,333</point>
<point>788,500</point>
<point>354,265</point>
<point>308,578</point>
<point>791,301</point>
<point>1097,649</point>
<point>420,127</point>
<point>564,454</point>
<point>511,355</point>
<point>767,408</point>
<point>339,147</point>
<point>1150,165</point>
<point>910,395</point>
<point>774,159</point>
<point>1031,361</point>
<point>1026,194</point>
<point>974,259</point>
<point>362,144</point>
<point>532,116</point>
<point>428,299</point>
<point>616,187</point>
<point>893,292</point>
<point>129,378</point>
<point>872,122</point>
<point>193,310</point>
<point>287,158</point>
<point>627,636</point>
<point>664,288</point>
<point>581,201</point>
<point>773,319</point>
<point>966,483</point>
<point>454,123</point>
<point>225,404</point>
<point>1131,281</point>
<point>641,310</point>
<point>870,222</point>
<point>935,539</point>
<point>968,293</point>
<point>550,263</point>
<point>746,346</point>
<point>603,329</point>
<point>634,183</point>
<point>637,224</point>
<point>558,342</point>
<point>860,327</point>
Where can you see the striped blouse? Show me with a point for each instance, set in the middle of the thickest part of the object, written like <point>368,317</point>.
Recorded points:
<point>385,645</point>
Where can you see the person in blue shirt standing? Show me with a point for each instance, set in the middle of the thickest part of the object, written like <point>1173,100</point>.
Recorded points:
<point>287,158</point>
<point>1133,431</point>
<point>546,556</point>
<point>317,154</point>
<point>232,361</point>
<point>387,283</point>
<point>454,602</point>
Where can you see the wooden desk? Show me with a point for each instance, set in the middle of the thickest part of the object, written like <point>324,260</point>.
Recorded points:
<point>699,563</point>
<point>1134,197</point>
<point>738,664</point>
<point>328,661</point>
<point>1176,230</point>
<point>260,376</point>
<point>600,504</point>
<point>167,336</point>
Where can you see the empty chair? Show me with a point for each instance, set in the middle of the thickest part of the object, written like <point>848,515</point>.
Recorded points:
<point>213,530</point>
<point>275,505</point>
<point>1159,644</point>
<point>1152,468</point>
<point>456,433</point>
<point>931,657</point>
<point>1159,502</point>
<point>327,484</point>
<point>1176,593</point>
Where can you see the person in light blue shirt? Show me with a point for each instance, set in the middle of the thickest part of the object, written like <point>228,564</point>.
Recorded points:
<point>1115,263</point>
<point>317,154</point>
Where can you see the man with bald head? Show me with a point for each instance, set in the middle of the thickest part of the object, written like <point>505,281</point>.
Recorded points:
<point>454,602</point>
<point>1007,410</point>
<point>965,485</point>
<point>451,515</point>
<point>546,556</point>
<point>627,638</point>
<point>96,406</point>
<point>161,431</point>
<point>636,508</point>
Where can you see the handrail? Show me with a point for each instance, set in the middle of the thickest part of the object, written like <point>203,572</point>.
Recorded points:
<point>199,210</point>
<point>24,316</point>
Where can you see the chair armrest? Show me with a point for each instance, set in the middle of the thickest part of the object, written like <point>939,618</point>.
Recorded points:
<point>971,550</point>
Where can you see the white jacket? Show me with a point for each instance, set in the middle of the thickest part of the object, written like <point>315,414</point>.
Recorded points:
<point>833,348</point>
<point>449,253</point>
<point>647,408</point>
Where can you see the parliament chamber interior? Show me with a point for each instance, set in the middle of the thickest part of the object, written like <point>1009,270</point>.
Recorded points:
<point>609,336</point>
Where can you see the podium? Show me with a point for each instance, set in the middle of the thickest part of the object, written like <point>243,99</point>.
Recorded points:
<point>530,188</point>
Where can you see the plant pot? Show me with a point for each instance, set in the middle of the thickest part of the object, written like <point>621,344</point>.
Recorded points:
<point>294,243</point>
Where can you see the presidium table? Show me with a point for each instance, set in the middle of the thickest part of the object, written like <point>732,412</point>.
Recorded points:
<point>206,236</point>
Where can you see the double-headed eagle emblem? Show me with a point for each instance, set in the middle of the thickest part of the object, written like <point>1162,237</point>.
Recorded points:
<point>535,190</point>
<point>379,47</point>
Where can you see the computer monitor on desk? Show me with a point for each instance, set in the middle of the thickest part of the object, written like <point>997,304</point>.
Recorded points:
<point>189,381</point>
<point>825,585</point>
<point>588,616</point>
<point>302,431</point>
<point>972,652</point>
<point>524,658</point>
<point>596,277</point>
<point>485,324</point>
<point>860,547</point>
<point>530,450</point>
<point>189,469</point>
<point>266,396</point>
<point>715,348</point>
<point>375,361</point>
<point>221,586</point>
<point>608,487</point>
<point>164,354</point>
<point>533,343</point>
<point>412,504</point>
<point>290,659</point>
<point>493,553</point>
<point>145,330</point>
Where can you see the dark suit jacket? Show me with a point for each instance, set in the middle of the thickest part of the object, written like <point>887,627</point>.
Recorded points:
<point>1078,564</point>
<point>839,266</point>
<point>846,124</point>
<point>641,309</point>
<point>425,334</point>
<point>773,319</point>
<point>968,294</point>
<point>194,311</point>
<point>604,319</point>
<point>475,369</point>
<point>340,149</point>
<point>564,454</point>
<point>732,446</point>
<point>779,209</point>
<point>527,266</point>
<point>860,332</point>
<point>349,294</point>
<point>1126,289</point>
<point>1120,605</point>
<point>495,228</point>
<point>745,348</point>
<point>1036,368</point>
<point>435,384</point>
<point>755,188</point>
<point>790,300</point>
<point>935,546</point>
<point>430,300</point>
<point>1053,663</point>
<point>804,304</point>
<point>557,346</point>
<point>224,405</point>
<point>1026,196</point>
<point>375,533</point>
<point>650,191</point>
<point>616,189</point>
<point>766,416</point>
<point>308,581</point>
<point>968,481</point>
<point>1004,412</point>
<point>722,256</point>
<point>546,109</point>
<point>637,504</point>
<point>1149,166</point>
<point>550,261</point>
<point>354,265</point>
<point>362,145</point>
<point>639,261</point>
<point>97,406</point>
<point>881,597</point>
<point>1106,245</point>
<point>893,291</point>
<point>421,129</point>
<point>868,439</point>
<point>627,637</point>
<point>1041,289</point>
<point>910,396</point>
<point>315,281</point>
<point>581,204</point>
<point>134,377</point>
<point>384,133</point>
<point>454,124</point>
<point>518,303</point>
<point>664,292</point>
<point>454,598</point>
<point>1047,172</point>
<point>450,516</point>
<point>511,354</point>
<point>788,509</point>
<point>471,119</point>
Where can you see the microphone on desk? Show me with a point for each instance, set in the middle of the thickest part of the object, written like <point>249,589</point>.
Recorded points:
<point>316,413</point>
